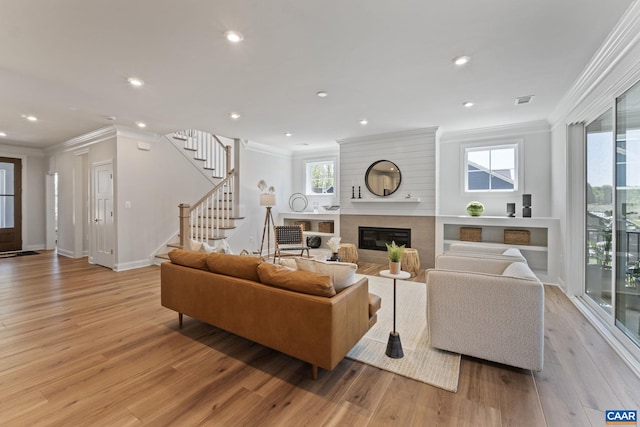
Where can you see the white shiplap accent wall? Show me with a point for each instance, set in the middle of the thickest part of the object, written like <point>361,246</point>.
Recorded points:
<point>415,154</point>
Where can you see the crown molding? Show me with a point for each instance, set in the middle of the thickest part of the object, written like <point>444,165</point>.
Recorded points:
<point>266,149</point>
<point>395,136</point>
<point>502,131</point>
<point>101,135</point>
<point>615,48</point>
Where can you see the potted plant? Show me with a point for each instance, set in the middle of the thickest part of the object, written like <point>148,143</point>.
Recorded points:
<point>395,256</point>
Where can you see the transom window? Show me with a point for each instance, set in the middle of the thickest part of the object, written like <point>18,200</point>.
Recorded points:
<point>493,168</point>
<point>320,177</point>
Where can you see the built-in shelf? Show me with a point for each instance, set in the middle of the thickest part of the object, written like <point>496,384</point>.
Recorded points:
<point>314,218</point>
<point>541,253</point>
<point>396,200</point>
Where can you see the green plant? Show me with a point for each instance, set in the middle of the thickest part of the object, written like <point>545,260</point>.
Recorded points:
<point>394,251</point>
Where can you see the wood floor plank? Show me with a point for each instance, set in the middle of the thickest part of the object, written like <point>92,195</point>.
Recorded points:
<point>83,345</point>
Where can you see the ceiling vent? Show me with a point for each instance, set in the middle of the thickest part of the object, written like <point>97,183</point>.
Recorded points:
<point>523,99</point>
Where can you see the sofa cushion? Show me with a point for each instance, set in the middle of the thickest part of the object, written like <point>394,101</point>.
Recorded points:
<point>519,270</point>
<point>189,259</point>
<point>288,262</point>
<point>296,280</point>
<point>243,267</point>
<point>343,274</point>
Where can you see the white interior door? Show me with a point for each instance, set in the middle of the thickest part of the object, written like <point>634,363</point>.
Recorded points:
<point>103,225</point>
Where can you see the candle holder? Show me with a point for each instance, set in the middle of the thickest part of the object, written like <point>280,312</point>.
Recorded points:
<point>359,194</point>
<point>353,192</point>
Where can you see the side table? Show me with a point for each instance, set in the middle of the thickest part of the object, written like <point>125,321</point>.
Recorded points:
<point>394,346</point>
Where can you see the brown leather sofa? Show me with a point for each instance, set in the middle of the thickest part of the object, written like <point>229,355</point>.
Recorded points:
<point>317,329</point>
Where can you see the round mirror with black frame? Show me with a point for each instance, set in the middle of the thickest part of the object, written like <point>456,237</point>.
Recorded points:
<point>383,178</point>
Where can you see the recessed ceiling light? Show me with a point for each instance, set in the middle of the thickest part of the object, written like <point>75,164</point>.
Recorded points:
<point>288,134</point>
<point>135,82</point>
<point>322,94</point>
<point>363,122</point>
<point>234,116</point>
<point>461,60</point>
<point>467,104</point>
<point>141,124</point>
<point>30,117</point>
<point>2,134</point>
<point>233,36</point>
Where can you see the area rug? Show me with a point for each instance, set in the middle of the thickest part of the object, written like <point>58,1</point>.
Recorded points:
<point>421,362</point>
<point>16,253</point>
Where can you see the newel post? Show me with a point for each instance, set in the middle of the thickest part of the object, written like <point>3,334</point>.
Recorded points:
<point>184,224</point>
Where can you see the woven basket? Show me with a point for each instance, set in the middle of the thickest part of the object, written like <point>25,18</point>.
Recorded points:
<point>325,227</point>
<point>471,234</point>
<point>306,225</point>
<point>517,237</point>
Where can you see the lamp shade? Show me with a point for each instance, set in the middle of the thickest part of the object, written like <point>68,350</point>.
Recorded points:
<point>268,199</point>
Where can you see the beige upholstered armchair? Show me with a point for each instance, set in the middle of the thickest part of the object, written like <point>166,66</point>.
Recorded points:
<point>492,309</point>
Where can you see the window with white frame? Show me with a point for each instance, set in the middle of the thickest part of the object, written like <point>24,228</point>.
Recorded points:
<point>320,176</point>
<point>491,168</point>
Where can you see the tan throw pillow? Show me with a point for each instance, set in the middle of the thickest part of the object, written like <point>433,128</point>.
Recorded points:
<point>289,263</point>
<point>305,282</point>
<point>189,259</point>
<point>343,274</point>
<point>243,267</point>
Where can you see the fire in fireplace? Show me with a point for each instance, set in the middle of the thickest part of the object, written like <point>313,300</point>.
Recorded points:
<point>375,238</point>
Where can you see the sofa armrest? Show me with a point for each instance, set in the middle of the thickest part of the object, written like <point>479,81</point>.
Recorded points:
<point>492,317</point>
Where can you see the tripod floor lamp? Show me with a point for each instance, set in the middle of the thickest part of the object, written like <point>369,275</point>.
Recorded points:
<point>268,200</point>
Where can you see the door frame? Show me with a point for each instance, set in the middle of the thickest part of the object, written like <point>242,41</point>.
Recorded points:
<point>23,176</point>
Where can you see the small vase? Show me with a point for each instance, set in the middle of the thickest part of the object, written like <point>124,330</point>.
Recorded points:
<point>334,257</point>
<point>394,267</point>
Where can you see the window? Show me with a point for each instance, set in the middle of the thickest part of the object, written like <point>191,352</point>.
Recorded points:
<point>491,168</point>
<point>320,177</point>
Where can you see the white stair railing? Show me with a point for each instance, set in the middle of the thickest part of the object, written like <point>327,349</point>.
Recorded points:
<point>208,218</point>
<point>208,148</point>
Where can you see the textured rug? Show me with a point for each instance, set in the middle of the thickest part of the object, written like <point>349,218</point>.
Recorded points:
<point>16,253</point>
<point>420,362</point>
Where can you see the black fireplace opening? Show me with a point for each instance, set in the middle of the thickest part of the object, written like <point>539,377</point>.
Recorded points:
<point>376,238</point>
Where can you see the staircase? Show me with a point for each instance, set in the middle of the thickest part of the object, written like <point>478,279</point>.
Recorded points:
<point>215,214</point>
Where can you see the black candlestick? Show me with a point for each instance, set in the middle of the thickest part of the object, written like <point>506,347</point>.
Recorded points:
<point>353,192</point>
<point>359,194</point>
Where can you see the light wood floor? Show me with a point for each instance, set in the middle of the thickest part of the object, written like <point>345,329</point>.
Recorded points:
<point>83,345</point>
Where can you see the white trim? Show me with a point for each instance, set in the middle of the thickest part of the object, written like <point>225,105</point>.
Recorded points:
<point>266,149</point>
<point>101,135</point>
<point>615,48</point>
<point>130,265</point>
<point>493,132</point>
<point>31,152</point>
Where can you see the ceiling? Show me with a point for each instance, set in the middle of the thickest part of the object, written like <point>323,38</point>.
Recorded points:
<point>67,62</point>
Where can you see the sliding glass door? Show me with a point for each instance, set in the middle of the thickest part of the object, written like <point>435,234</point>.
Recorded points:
<point>627,214</point>
<point>599,212</point>
<point>612,252</point>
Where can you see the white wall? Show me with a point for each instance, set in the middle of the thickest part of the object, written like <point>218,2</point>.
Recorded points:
<point>535,162</point>
<point>149,186</point>
<point>259,162</point>
<point>414,152</point>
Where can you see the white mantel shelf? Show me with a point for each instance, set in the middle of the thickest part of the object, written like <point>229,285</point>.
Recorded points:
<point>397,200</point>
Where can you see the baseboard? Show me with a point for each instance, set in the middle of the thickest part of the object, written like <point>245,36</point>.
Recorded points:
<point>132,265</point>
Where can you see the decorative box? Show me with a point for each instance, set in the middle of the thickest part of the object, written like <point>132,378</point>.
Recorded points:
<point>306,225</point>
<point>471,234</point>
<point>325,226</point>
<point>517,237</point>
